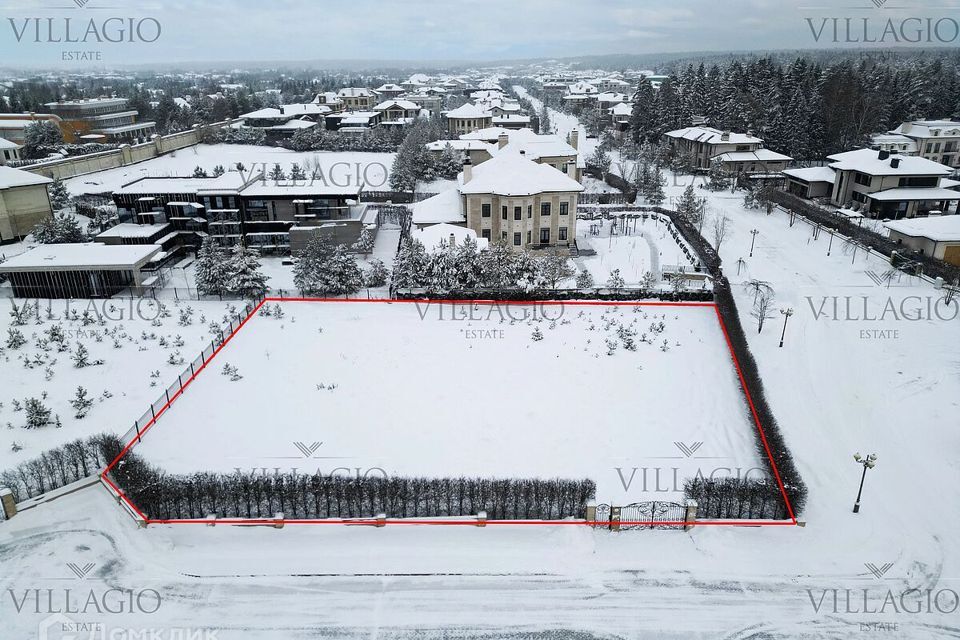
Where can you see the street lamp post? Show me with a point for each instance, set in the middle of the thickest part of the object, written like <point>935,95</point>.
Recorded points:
<point>868,463</point>
<point>786,316</point>
<point>830,246</point>
<point>754,233</point>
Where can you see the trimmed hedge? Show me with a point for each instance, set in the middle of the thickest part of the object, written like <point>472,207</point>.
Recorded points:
<point>61,466</point>
<point>318,496</point>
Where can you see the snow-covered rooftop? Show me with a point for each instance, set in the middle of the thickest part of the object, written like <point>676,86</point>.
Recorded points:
<point>446,206</point>
<point>623,109</point>
<point>10,178</point>
<point>130,230</point>
<point>297,188</point>
<point>869,161</point>
<point>812,174</point>
<point>937,228</point>
<point>399,104</point>
<point>437,235</point>
<point>929,128</point>
<point>462,145</point>
<point>230,181</point>
<point>6,144</point>
<point>709,135</point>
<point>511,174</point>
<point>469,111</point>
<point>914,193</point>
<point>760,155</point>
<point>77,256</point>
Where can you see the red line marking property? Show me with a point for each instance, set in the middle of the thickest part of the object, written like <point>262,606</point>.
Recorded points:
<point>409,521</point>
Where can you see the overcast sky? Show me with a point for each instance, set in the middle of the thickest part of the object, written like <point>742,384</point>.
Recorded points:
<point>213,30</point>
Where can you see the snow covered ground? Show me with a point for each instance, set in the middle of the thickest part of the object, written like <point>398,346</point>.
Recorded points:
<point>134,339</point>
<point>312,374</point>
<point>338,167</point>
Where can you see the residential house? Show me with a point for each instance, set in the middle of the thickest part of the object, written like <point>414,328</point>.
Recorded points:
<point>357,98</point>
<point>937,140</point>
<point>620,116</point>
<point>885,185</point>
<point>477,150</point>
<point>330,100</point>
<point>397,112</point>
<point>467,118</point>
<point>389,90</point>
<point>285,120</point>
<point>24,203</point>
<point>702,144</point>
<point>432,103</point>
<point>509,199</point>
<point>607,101</point>
<point>894,143</point>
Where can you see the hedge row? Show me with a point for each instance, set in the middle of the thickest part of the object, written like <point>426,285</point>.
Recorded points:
<point>61,466</point>
<point>299,496</point>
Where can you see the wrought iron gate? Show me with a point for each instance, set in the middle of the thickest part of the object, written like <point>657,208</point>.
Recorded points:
<point>642,515</point>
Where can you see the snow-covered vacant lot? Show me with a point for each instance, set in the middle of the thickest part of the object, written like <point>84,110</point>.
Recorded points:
<point>443,390</point>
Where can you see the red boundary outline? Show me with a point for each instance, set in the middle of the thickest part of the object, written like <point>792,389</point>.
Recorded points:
<point>472,523</point>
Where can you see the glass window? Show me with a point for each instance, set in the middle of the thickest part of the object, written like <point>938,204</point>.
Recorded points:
<point>485,233</point>
<point>544,208</point>
<point>503,212</point>
<point>517,239</point>
<point>518,213</point>
<point>564,208</point>
<point>545,235</point>
<point>485,210</point>
<point>562,233</point>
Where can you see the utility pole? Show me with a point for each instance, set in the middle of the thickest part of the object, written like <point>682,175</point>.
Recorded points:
<point>754,233</point>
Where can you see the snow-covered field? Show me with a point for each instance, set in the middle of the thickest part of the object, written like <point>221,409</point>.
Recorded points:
<point>134,339</point>
<point>381,386</point>
<point>337,167</point>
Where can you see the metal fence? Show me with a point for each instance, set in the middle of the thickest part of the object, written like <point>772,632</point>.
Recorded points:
<point>187,375</point>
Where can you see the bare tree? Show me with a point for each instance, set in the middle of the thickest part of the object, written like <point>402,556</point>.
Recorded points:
<point>756,287</point>
<point>721,225</point>
<point>763,307</point>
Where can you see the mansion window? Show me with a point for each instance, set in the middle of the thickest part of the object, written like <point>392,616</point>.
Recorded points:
<point>564,208</point>
<point>544,208</point>
<point>545,235</point>
<point>485,210</point>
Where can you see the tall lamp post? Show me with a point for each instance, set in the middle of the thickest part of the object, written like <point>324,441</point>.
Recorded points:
<point>754,233</point>
<point>786,313</point>
<point>868,463</point>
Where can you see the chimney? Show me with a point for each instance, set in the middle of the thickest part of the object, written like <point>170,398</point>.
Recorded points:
<point>281,109</point>
<point>725,136</point>
<point>467,170</point>
<point>523,153</point>
<point>574,138</point>
<point>572,169</point>
<point>502,140</point>
<point>453,240</point>
<point>894,162</point>
<point>884,154</point>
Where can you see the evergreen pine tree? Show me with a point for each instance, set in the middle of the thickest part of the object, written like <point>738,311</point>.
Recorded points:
<point>245,275</point>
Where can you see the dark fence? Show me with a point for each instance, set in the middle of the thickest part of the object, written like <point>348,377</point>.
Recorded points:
<point>866,237</point>
<point>519,295</point>
<point>395,197</point>
<point>605,198</point>
<point>61,466</point>
<point>319,496</point>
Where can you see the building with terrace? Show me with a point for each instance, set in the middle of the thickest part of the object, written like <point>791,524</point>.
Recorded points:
<point>100,119</point>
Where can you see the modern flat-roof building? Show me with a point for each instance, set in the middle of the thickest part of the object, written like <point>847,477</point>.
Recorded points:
<point>24,203</point>
<point>83,270</point>
<point>110,119</point>
<point>235,208</point>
